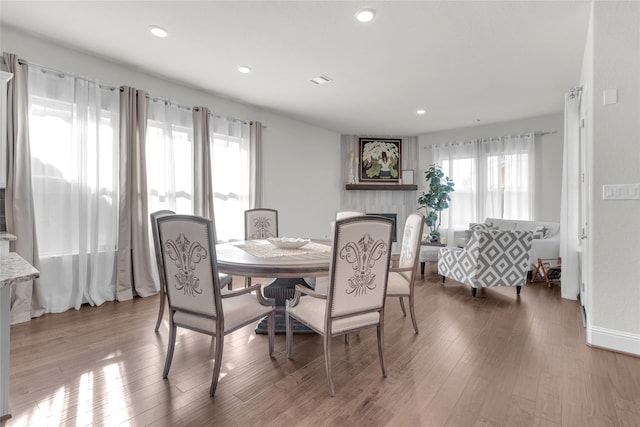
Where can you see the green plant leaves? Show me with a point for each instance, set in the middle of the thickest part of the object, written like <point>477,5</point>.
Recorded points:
<point>436,199</point>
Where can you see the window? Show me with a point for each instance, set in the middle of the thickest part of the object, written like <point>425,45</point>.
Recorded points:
<point>463,172</point>
<point>169,153</point>
<point>508,186</point>
<point>74,139</point>
<point>493,179</point>
<point>73,132</point>
<point>230,166</point>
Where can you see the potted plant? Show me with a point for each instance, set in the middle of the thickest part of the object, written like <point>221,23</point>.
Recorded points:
<point>435,200</point>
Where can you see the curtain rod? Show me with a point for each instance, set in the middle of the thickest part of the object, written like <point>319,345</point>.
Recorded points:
<point>63,74</point>
<point>536,133</point>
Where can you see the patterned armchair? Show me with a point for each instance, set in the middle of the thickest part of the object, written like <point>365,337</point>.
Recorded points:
<point>490,258</point>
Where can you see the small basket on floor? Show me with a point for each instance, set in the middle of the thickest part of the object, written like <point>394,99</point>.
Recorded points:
<point>548,270</point>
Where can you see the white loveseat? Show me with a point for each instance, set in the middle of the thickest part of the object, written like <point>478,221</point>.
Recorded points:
<point>547,246</point>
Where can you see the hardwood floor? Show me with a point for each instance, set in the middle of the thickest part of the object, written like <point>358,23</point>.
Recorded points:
<point>497,360</point>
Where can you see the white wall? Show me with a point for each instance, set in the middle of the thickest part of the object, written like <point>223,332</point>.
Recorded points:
<point>548,155</point>
<point>301,171</point>
<point>614,135</point>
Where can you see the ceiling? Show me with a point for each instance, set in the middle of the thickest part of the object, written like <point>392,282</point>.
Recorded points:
<point>464,62</point>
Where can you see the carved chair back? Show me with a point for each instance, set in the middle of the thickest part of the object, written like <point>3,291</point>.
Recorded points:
<point>260,224</point>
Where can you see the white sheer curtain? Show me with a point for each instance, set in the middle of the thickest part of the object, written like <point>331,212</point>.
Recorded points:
<point>169,149</point>
<point>102,158</point>
<point>73,126</point>
<point>494,178</point>
<point>459,161</point>
<point>506,177</point>
<point>570,197</point>
<point>169,160</point>
<point>231,170</point>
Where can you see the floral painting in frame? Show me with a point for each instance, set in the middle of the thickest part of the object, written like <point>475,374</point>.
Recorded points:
<point>380,159</point>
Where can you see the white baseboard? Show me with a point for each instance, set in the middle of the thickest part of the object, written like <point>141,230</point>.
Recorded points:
<point>613,340</point>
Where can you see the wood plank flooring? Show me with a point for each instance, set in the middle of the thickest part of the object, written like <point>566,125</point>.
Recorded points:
<point>496,360</point>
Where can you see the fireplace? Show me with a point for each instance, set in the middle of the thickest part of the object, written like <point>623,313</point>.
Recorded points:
<point>393,217</point>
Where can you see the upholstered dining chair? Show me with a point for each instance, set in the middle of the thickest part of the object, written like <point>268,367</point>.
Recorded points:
<point>320,284</point>
<point>490,258</point>
<point>259,224</point>
<point>348,214</point>
<point>343,215</point>
<point>355,298</point>
<point>196,302</point>
<point>225,279</point>
<point>402,278</point>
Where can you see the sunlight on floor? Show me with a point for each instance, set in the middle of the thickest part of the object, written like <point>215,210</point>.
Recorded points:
<point>50,411</point>
<point>85,399</point>
<point>109,405</point>
<point>116,399</point>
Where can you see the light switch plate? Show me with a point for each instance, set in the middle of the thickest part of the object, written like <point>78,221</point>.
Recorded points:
<point>621,192</point>
<point>610,96</point>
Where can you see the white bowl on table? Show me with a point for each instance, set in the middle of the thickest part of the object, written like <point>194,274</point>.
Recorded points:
<point>288,242</point>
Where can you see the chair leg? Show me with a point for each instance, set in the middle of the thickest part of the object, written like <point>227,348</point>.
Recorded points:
<point>170,348</point>
<point>404,312</point>
<point>217,365</point>
<point>380,333</point>
<point>443,278</point>
<point>161,311</point>
<point>518,290</point>
<point>288,320</point>
<point>412,310</point>
<point>270,331</point>
<point>473,292</point>
<point>327,362</point>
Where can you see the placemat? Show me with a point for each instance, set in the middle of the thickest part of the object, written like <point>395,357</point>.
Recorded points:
<point>270,251</point>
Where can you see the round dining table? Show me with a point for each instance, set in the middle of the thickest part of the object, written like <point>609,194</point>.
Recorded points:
<point>259,258</point>
<point>285,268</point>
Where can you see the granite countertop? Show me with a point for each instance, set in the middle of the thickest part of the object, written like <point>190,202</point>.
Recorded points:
<point>6,236</point>
<point>14,269</point>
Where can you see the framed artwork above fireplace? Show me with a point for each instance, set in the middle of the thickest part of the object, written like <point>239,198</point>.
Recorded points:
<point>380,160</point>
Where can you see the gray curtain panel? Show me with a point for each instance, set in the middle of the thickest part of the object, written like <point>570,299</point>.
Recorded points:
<point>134,259</point>
<point>256,191</point>
<point>203,181</point>
<point>27,300</point>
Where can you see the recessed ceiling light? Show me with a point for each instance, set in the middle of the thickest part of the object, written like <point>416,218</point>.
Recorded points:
<point>320,80</point>
<point>365,15</point>
<point>244,69</point>
<point>158,31</point>
<point>421,112</point>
